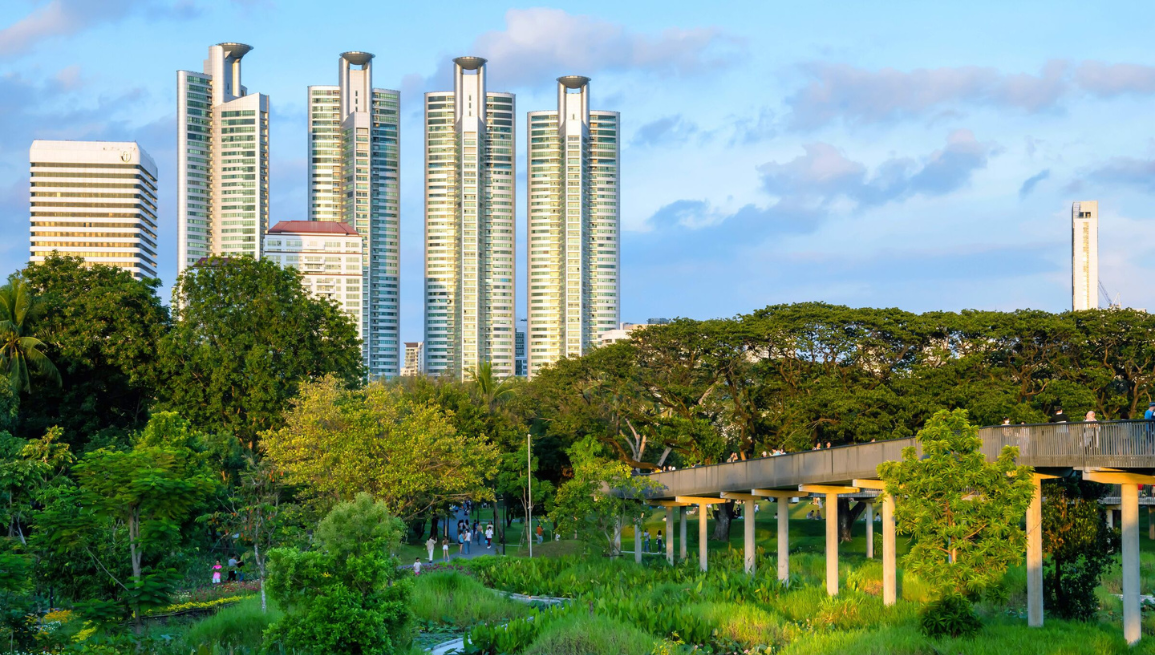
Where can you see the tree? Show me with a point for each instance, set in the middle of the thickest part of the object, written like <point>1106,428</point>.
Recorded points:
<point>27,469</point>
<point>245,335</point>
<point>1079,547</point>
<point>101,326</point>
<point>492,390</point>
<point>601,497</point>
<point>338,442</point>
<point>344,596</point>
<point>963,514</point>
<point>21,354</point>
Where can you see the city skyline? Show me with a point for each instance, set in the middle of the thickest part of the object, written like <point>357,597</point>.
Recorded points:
<point>835,180</point>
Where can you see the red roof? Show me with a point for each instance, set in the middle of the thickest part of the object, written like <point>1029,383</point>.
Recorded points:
<point>313,227</point>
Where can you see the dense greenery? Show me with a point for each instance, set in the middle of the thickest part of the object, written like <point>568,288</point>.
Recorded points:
<point>1079,545</point>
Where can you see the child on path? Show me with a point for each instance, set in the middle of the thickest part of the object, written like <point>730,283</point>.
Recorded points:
<point>489,536</point>
<point>217,572</point>
<point>416,566</point>
<point>445,548</point>
<point>429,546</point>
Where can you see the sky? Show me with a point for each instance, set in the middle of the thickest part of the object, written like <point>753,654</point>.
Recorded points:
<point>904,154</point>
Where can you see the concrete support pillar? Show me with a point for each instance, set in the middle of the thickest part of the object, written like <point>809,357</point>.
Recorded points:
<point>702,557</point>
<point>682,535</point>
<point>889,565</point>
<point>1131,620</point>
<point>638,540</point>
<point>870,530</point>
<point>784,540</point>
<point>1110,519</point>
<point>832,544</point>
<point>670,535</point>
<point>1035,557</point>
<point>750,548</point>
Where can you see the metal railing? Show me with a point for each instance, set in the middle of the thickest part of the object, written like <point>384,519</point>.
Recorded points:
<point>1104,444</point>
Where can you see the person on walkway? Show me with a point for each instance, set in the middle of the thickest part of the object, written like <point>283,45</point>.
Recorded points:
<point>1090,432</point>
<point>430,544</point>
<point>467,540</point>
<point>232,577</point>
<point>241,568</point>
<point>647,542</point>
<point>445,548</point>
<point>416,566</point>
<point>217,572</point>
<point>489,536</point>
<point>460,541</point>
<point>539,533</point>
<point>1059,416</point>
<point>1150,413</point>
<point>477,532</point>
<point>661,542</point>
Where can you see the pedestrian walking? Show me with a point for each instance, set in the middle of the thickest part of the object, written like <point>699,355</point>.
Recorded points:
<point>429,546</point>
<point>416,566</point>
<point>489,536</point>
<point>1091,431</point>
<point>647,542</point>
<point>467,540</point>
<point>241,568</point>
<point>539,533</point>
<point>232,577</point>
<point>460,542</point>
<point>476,532</point>
<point>445,548</point>
<point>217,572</point>
<point>661,542</point>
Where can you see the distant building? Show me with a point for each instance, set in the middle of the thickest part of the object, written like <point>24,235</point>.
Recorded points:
<point>95,200</point>
<point>222,160</point>
<point>520,367</point>
<point>328,255</point>
<point>572,196</point>
<point>1085,255</point>
<point>657,321</point>
<point>620,333</point>
<point>353,178</point>
<point>414,358</point>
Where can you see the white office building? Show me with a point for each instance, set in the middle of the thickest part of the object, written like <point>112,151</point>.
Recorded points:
<point>414,359</point>
<point>353,179</point>
<point>469,225</point>
<point>574,254</point>
<point>328,255</point>
<point>222,160</point>
<point>1085,255</point>
<point>95,200</point>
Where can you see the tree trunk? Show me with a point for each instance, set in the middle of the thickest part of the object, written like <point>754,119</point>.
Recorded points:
<point>722,515</point>
<point>847,515</point>
<point>261,570</point>
<point>433,521</point>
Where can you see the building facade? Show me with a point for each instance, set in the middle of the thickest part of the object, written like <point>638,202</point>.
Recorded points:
<point>222,160</point>
<point>354,141</point>
<point>574,255</point>
<point>1085,255</point>
<point>329,257</point>
<point>95,200</point>
<point>469,225</point>
<point>414,359</point>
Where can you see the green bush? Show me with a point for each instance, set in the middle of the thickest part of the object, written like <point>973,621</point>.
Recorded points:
<point>590,635</point>
<point>950,616</point>
<point>745,624</point>
<point>453,598</point>
<point>241,625</point>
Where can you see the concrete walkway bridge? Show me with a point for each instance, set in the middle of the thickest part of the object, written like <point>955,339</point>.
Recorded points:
<point>1108,452</point>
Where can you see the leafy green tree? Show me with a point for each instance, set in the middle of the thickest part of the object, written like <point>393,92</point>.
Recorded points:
<point>601,497</point>
<point>101,326</point>
<point>1078,545</point>
<point>492,390</point>
<point>245,335</point>
<point>339,442</point>
<point>21,354</point>
<point>345,596</point>
<point>27,469</point>
<point>964,515</point>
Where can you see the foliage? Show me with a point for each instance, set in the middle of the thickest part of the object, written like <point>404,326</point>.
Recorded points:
<point>101,327</point>
<point>963,515</point>
<point>232,627</point>
<point>245,335</point>
<point>590,635</point>
<point>344,596</point>
<point>457,599</point>
<point>27,470</point>
<point>601,497</point>
<point>1079,547</point>
<point>21,354</point>
<point>949,616</point>
<point>337,442</point>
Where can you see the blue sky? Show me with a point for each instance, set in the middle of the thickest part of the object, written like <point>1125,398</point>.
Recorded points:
<point>905,154</point>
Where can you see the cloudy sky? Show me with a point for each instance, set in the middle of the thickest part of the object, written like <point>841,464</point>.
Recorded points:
<point>919,155</point>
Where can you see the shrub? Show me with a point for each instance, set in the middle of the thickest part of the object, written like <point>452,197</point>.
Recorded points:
<point>590,635</point>
<point>950,616</point>
<point>454,598</point>
<point>233,627</point>
<point>1080,548</point>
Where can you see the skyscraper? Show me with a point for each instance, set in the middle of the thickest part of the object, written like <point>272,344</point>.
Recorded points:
<point>222,160</point>
<point>95,200</point>
<point>1085,255</point>
<point>353,179</point>
<point>574,277</point>
<point>469,225</point>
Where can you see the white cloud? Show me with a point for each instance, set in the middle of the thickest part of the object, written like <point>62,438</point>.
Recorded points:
<point>67,17</point>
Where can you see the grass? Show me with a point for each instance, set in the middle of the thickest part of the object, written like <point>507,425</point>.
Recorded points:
<point>590,635</point>
<point>242,624</point>
<point>456,599</point>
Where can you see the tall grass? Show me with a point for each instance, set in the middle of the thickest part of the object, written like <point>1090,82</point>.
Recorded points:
<point>590,635</point>
<point>241,625</point>
<point>459,600</point>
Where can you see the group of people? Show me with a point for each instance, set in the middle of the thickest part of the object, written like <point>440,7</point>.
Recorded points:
<point>660,542</point>
<point>235,573</point>
<point>467,535</point>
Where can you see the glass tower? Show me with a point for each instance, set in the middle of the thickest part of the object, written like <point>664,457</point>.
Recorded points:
<point>354,141</point>
<point>574,255</point>
<point>222,160</point>
<point>469,225</point>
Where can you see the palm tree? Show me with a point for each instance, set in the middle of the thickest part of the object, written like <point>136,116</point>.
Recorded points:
<point>491,389</point>
<point>20,355</point>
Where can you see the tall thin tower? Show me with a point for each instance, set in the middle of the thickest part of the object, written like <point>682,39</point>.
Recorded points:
<point>354,141</point>
<point>222,160</point>
<point>1085,255</point>
<point>469,225</point>
<point>574,255</point>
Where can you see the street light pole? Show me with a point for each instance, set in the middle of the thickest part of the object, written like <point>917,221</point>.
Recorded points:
<point>529,487</point>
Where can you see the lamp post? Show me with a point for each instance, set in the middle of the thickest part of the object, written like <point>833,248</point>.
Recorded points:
<point>529,488</point>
